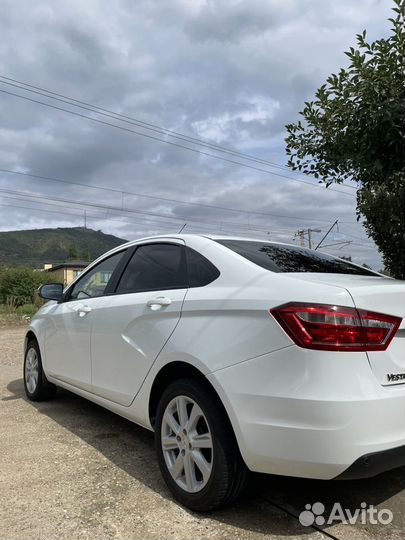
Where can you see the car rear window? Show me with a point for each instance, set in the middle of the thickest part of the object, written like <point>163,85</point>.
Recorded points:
<point>282,258</point>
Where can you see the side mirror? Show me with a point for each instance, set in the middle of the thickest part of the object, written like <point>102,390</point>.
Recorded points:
<point>51,291</point>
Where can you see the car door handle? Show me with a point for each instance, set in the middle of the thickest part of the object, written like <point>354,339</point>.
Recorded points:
<point>155,303</point>
<point>83,310</point>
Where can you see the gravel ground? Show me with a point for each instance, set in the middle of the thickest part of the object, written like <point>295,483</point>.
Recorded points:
<point>70,469</point>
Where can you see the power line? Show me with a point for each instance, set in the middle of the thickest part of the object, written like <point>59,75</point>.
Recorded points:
<point>97,217</point>
<point>155,197</point>
<point>326,234</point>
<point>343,243</point>
<point>152,137</point>
<point>348,244</point>
<point>158,226</point>
<point>135,222</point>
<point>366,240</point>
<point>140,123</point>
<point>133,121</point>
<point>133,211</point>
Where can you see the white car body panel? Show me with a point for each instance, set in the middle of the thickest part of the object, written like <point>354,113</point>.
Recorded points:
<point>67,344</point>
<point>294,411</point>
<point>127,337</point>
<point>377,294</point>
<point>310,415</point>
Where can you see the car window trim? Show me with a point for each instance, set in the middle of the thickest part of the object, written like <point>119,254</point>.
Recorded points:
<point>118,271</point>
<point>68,292</point>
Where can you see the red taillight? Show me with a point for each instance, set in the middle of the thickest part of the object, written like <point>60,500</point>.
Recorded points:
<point>336,328</point>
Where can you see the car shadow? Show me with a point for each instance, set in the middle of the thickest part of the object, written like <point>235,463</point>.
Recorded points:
<point>271,504</point>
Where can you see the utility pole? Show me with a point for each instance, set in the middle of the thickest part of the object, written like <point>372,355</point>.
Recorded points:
<point>301,233</point>
<point>85,220</point>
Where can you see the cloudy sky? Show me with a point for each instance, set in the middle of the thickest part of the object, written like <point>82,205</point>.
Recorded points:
<point>230,74</point>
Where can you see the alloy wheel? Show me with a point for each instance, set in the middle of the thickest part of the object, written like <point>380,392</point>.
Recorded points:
<point>31,370</point>
<point>187,444</point>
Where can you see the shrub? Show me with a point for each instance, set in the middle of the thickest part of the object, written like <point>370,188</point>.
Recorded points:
<point>19,285</point>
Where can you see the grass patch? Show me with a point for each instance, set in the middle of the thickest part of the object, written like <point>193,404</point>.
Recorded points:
<point>19,316</point>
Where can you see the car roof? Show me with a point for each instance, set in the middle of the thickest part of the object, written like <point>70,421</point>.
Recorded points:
<point>196,237</point>
<point>214,237</point>
<point>246,239</point>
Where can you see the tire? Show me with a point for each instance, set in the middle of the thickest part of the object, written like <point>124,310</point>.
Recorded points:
<point>223,474</point>
<point>37,387</point>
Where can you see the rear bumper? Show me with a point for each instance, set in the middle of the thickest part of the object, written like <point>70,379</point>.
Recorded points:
<point>374,463</point>
<point>313,414</point>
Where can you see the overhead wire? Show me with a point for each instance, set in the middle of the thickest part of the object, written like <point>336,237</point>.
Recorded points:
<point>155,197</point>
<point>163,131</point>
<point>140,123</point>
<point>152,137</point>
<point>155,226</point>
<point>182,219</point>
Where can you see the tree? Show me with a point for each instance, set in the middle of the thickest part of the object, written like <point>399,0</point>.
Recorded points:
<point>354,130</point>
<point>72,253</point>
<point>86,255</point>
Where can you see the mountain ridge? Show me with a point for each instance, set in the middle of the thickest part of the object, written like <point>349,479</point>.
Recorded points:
<point>35,247</point>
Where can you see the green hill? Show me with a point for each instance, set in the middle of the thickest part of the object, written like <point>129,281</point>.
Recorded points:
<point>39,246</point>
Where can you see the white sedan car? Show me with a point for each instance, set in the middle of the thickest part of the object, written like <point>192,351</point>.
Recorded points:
<point>242,355</point>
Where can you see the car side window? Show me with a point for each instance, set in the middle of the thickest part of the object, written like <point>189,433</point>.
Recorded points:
<point>200,270</point>
<point>154,267</point>
<point>95,282</point>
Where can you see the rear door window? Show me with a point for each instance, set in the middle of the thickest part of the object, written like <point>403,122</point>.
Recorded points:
<point>154,267</point>
<point>284,258</point>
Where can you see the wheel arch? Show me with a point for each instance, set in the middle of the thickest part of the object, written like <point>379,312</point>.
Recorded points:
<point>32,335</point>
<point>28,337</point>
<point>177,370</point>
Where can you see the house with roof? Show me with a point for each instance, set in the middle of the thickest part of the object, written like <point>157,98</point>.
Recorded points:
<point>65,272</point>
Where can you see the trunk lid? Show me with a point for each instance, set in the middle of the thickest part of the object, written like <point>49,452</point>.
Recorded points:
<point>382,295</point>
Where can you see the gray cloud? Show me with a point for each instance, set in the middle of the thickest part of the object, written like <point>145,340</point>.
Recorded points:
<point>232,72</point>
